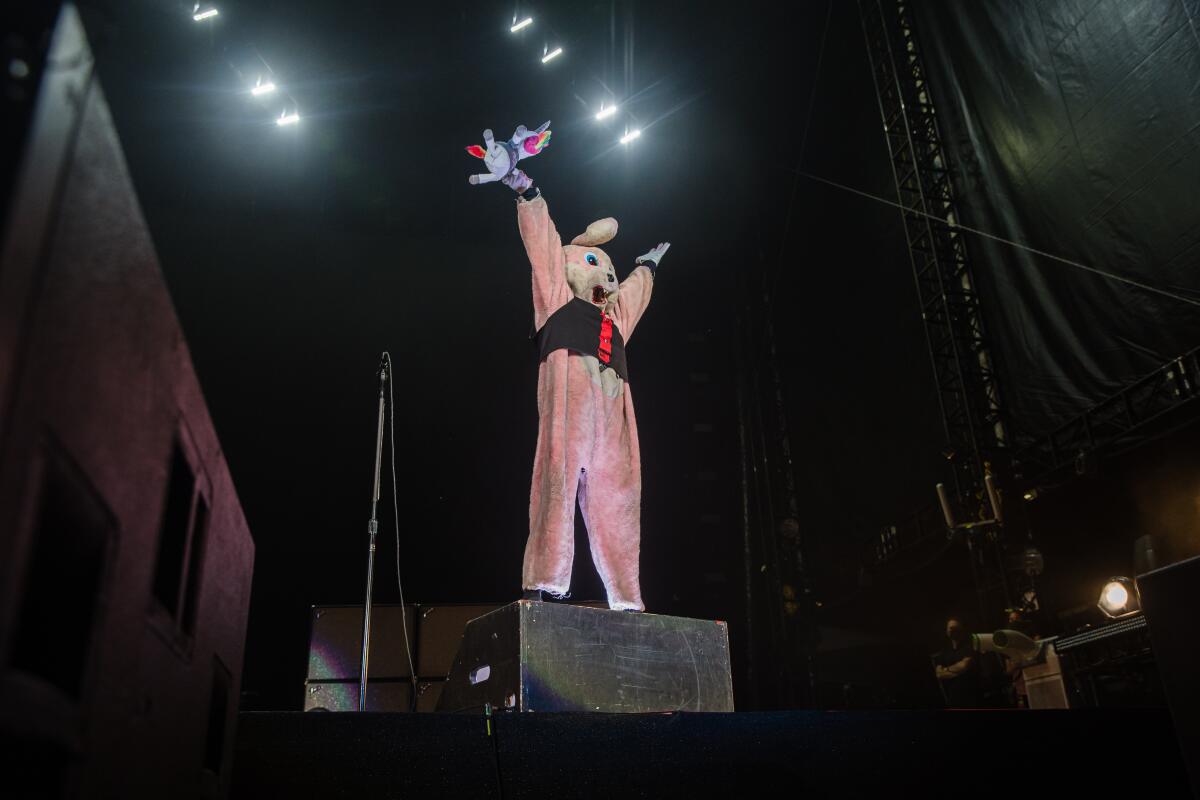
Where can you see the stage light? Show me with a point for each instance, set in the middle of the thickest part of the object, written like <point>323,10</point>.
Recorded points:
<point>555,53</point>
<point>1119,598</point>
<point>261,88</point>
<point>288,119</point>
<point>525,23</point>
<point>207,13</point>
<point>605,112</point>
<point>630,136</point>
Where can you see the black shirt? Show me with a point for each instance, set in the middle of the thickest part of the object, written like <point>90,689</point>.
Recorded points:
<point>962,691</point>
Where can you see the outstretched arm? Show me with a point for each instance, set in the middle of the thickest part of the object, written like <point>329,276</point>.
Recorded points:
<point>544,248</point>
<point>633,299</point>
<point>635,292</point>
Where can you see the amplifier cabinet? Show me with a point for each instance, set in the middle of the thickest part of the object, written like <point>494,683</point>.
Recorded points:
<point>335,644</point>
<point>343,696</point>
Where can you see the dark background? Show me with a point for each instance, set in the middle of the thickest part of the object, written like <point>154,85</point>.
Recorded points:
<point>295,255</point>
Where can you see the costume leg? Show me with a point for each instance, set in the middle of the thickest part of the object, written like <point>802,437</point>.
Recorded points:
<point>610,496</point>
<point>565,433</point>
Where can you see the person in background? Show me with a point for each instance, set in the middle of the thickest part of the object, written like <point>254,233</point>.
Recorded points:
<point>957,668</point>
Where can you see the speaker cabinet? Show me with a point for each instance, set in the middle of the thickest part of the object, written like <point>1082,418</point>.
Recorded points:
<point>535,656</point>
<point>335,644</point>
<point>441,632</point>
<point>428,694</point>
<point>394,696</point>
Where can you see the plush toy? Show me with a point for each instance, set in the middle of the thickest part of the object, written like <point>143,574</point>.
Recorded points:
<point>501,158</point>
<point>587,444</point>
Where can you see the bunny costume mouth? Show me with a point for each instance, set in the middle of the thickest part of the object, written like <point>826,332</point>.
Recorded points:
<point>600,295</point>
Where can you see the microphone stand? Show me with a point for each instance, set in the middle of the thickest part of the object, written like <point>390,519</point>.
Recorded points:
<point>372,529</point>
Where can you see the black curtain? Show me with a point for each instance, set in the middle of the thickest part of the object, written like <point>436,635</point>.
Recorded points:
<point>1074,128</point>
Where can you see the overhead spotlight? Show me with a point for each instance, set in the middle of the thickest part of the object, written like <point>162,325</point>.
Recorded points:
<point>555,53</point>
<point>525,23</point>
<point>261,88</point>
<point>1119,598</point>
<point>288,119</point>
<point>1031,494</point>
<point>605,112</point>
<point>207,13</point>
<point>630,136</point>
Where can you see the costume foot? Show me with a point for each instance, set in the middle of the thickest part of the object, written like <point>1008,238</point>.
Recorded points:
<point>532,594</point>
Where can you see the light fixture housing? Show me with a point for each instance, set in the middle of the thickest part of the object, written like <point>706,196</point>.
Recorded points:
<point>263,88</point>
<point>287,119</point>
<point>525,23</point>
<point>1119,598</point>
<point>605,112</point>
<point>555,53</point>
<point>631,135</point>
<point>208,13</point>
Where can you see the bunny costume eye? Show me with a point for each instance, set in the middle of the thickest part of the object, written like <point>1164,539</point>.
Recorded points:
<point>591,259</point>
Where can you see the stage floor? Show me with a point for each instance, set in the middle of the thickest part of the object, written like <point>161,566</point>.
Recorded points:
<point>1095,754</point>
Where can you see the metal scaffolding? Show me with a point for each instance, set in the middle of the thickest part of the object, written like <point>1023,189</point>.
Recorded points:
<point>967,387</point>
<point>1118,422</point>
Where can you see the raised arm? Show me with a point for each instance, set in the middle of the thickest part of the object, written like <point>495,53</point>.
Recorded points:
<point>636,290</point>
<point>544,248</point>
<point>632,299</point>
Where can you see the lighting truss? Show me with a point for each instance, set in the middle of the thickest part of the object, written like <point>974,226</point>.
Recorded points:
<point>968,392</point>
<point>1119,421</point>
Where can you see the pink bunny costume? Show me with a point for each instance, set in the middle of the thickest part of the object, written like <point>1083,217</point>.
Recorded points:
<point>587,433</point>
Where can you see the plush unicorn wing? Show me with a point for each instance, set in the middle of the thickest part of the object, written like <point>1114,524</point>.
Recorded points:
<point>488,143</point>
<point>495,159</point>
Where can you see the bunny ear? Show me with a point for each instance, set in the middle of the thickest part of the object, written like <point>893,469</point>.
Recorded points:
<point>477,151</point>
<point>599,232</point>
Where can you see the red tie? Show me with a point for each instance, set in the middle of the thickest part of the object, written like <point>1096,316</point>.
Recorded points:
<point>605,353</point>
